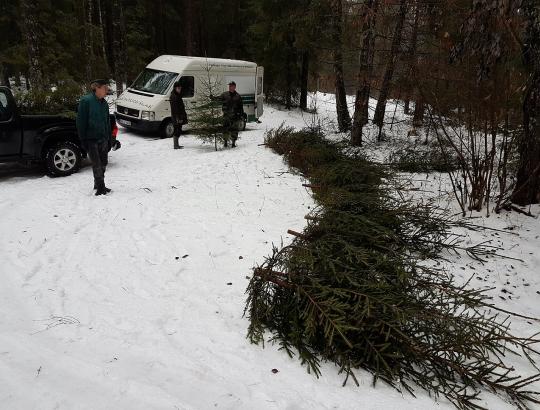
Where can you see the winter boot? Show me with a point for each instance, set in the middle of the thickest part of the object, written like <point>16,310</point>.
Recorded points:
<point>175,143</point>
<point>101,189</point>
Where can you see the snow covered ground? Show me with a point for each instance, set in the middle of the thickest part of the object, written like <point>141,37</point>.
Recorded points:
<point>135,300</point>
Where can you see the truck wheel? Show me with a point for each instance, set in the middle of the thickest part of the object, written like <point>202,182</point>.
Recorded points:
<point>63,159</point>
<point>167,129</point>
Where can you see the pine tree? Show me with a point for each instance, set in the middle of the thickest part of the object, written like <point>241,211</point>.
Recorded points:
<point>206,119</point>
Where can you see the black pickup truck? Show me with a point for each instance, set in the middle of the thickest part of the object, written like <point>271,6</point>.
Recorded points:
<point>51,139</point>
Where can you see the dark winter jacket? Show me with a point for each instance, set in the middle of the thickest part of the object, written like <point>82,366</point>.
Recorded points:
<point>178,109</point>
<point>93,122</point>
<point>232,105</point>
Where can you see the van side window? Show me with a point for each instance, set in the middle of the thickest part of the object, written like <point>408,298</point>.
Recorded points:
<point>6,109</point>
<point>188,86</point>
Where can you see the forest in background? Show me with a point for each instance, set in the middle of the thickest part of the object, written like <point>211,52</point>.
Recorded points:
<point>468,71</point>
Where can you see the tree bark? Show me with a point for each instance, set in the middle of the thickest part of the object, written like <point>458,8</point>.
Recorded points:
<point>102,35</point>
<point>378,118</point>
<point>119,46</point>
<point>343,116</point>
<point>161,37</point>
<point>289,68</point>
<point>361,105</point>
<point>419,111</point>
<point>31,32</point>
<point>88,38</point>
<point>411,59</point>
<point>3,76</point>
<point>527,189</point>
<point>304,80</point>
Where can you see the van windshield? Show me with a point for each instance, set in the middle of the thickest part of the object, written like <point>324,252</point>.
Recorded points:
<point>154,81</point>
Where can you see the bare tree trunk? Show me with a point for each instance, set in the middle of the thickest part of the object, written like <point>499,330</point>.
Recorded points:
<point>419,111</point>
<point>304,77</point>
<point>411,58</point>
<point>361,105</point>
<point>343,116</point>
<point>289,69</point>
<point>102,32</point>
<point>192,28</point>
<point>31,32</point>
<point>3,76</point>
<point>161,37</point>
<point>527,189</point>
<point>188,27</point>
<point>119,46</point>
<point>88,38</point>
<point>378,118</point>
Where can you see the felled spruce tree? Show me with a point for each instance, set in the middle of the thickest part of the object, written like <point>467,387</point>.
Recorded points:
<point>207,117</point>
<point>354,288</point>
<point>62,100</point>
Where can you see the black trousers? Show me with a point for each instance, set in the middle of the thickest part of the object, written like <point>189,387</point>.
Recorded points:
<point>231,126</point>
<point>177,133</point>
<point>98,152</point>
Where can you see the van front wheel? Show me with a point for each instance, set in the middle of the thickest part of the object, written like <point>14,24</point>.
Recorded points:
<point>167,129</point>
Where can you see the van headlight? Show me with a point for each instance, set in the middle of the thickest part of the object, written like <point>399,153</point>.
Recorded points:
<point>148,115</point>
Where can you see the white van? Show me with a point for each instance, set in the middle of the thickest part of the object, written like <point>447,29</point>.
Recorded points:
<point>145,105</point>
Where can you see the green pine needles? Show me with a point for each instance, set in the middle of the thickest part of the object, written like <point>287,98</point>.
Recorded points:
<point>62,101</point>
<point>207,117</point>
<point>354,288</point>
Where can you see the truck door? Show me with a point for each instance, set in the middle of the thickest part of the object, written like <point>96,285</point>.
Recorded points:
<point>259,92</point>
<point>10,125</point>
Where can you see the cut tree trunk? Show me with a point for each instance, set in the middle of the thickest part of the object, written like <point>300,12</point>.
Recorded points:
<point>361,104</point>
<point>378,118</point>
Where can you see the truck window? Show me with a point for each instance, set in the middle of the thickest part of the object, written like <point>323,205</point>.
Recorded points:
<point>188,86</point>
<point>6,110</point>
<point>153,81</point>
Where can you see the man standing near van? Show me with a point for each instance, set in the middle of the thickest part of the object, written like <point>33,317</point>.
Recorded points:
<point>178,113</point>
<point>233,113</point>
<point>94,128</point>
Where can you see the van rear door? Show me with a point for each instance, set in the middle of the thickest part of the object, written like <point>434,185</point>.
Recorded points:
<point>259,92</point>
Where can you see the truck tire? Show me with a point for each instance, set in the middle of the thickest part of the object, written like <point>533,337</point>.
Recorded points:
<point>167,129</point>
<point>63,159</point>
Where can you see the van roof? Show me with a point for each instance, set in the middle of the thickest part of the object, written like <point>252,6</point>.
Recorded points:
<point>177,64</point>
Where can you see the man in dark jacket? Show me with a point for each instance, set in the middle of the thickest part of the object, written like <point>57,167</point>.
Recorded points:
<point>178,113</point>
<point>233,113</point>
<point>94,128</point>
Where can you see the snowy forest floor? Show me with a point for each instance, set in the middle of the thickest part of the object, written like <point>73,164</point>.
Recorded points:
<point>135,300</point>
